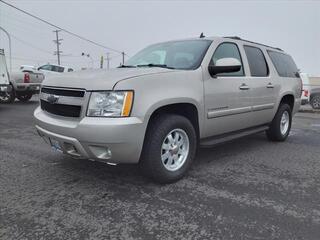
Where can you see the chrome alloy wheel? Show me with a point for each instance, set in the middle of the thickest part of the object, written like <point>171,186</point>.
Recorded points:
<point>175,149</point>
<point>316,103</point>
<point>284,123</point>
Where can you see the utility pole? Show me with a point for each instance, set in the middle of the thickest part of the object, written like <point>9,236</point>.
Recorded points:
<point>122,57</point>
<point>108,61</point>
<point>101,62</point>
<point>58,43</point>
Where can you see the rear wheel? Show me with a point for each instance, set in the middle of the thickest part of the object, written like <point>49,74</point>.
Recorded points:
<point>315,102</point>
<point>281,124</point>
<point>169,148</point>
<point>24,97</point>
<point>8,97</point>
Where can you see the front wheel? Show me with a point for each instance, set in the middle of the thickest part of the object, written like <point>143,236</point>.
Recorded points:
<point>281,124</point>
<point>169,148</point>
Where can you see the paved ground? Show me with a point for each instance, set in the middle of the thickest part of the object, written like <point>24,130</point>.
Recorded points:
<point>247,189</point>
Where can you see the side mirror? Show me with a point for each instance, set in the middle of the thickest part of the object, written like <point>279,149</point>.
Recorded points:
<point>224,65</point>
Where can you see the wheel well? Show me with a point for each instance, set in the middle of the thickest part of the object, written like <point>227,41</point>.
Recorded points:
<point>187,110</point>
<point>288,99</point>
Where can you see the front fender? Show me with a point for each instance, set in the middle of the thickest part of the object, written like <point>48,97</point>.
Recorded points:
<point>158,90</point>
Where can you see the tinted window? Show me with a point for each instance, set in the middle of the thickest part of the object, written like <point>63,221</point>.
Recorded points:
<point>176,54</point>
<point>228,50</point>
<point>57,68</point>
<point>257,62</point>
<point>284,64</point>
<point>45,67</point>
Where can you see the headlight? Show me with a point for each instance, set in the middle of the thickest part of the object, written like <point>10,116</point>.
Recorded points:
<point>110,104</point>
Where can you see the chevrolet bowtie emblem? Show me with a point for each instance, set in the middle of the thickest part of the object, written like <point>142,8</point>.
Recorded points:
<point>52,99</point>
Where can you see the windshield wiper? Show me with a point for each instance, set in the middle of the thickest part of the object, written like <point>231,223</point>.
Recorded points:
<point>126,66</point>
<point>155,65</point>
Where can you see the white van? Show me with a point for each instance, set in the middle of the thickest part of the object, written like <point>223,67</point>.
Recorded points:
<point>5,86</point>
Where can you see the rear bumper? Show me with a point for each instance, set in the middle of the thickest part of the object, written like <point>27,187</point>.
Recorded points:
<point>28,87</point>
<point>112,140</point>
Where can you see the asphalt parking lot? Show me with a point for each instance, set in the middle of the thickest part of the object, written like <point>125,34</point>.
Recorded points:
<point>246,189</point>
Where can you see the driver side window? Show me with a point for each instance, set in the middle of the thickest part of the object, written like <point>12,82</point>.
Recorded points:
<point>228,50</point>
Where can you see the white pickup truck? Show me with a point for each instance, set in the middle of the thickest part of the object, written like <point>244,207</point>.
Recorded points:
<point>23,84</point>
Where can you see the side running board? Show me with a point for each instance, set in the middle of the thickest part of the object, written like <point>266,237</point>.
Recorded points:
<point>208,142</point>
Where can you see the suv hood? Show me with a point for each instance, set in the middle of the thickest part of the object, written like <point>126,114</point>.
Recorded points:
<point>99,79</point>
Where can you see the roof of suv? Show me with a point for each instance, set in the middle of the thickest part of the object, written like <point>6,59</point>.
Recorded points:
<point>236,38</point>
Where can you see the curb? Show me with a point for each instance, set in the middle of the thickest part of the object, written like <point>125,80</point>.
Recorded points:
<point>309,111</point>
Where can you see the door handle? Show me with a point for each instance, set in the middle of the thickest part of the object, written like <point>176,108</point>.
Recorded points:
<point>244,87</point>
<point>270,85</point>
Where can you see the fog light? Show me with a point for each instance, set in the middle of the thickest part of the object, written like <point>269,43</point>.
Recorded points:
<point>71,149</point>
<point>101,152</point>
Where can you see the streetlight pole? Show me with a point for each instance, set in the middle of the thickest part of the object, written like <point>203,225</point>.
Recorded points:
<point>9,47</point>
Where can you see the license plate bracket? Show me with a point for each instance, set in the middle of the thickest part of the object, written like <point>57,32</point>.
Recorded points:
<point>55,145</point>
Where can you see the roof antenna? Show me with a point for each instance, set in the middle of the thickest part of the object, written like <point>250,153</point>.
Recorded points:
<point>202,35</point>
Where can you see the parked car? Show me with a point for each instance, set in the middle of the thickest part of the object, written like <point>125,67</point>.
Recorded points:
<point>306,89</point>
<point>169,99</point>
<point>24,86</point>
<point>52,69</point>
<point>315,92</point>
<point>5,87</point>
<point>310,90</point>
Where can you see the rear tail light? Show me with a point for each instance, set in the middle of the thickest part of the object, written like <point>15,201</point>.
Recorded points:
<point>26,78</point>
<point>306,93</point>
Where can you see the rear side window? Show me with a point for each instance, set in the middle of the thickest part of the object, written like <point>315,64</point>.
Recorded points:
<point>284,64</point>
<point>257,62</point>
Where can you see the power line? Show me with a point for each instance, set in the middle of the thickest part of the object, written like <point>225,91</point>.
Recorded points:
<point>62,29</point>
<point>29,44</point>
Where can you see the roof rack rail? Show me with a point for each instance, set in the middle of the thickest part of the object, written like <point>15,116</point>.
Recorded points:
<point>238,38</point>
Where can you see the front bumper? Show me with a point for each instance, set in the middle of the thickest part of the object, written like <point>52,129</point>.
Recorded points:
<point>112,140</point>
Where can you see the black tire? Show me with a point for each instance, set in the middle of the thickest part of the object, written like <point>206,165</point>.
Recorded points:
<point>8,97</point>
<point>151,163</point>
<point>274,132</point>
<point>24,97</point>
<point>315,102</point>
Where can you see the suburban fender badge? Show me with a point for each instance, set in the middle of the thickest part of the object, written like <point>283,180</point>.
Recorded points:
<point>52,99</point>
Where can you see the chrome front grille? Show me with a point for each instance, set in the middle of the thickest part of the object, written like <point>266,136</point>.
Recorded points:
<point>63,101</point>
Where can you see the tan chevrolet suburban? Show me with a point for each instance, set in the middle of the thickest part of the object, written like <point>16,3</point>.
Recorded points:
<point>169,99</point>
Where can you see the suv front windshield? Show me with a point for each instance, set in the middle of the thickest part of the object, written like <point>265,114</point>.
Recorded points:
<point>186,54</point>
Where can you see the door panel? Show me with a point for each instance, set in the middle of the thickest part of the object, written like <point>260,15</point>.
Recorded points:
<point>264,88</point>
<point>227,96</point>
